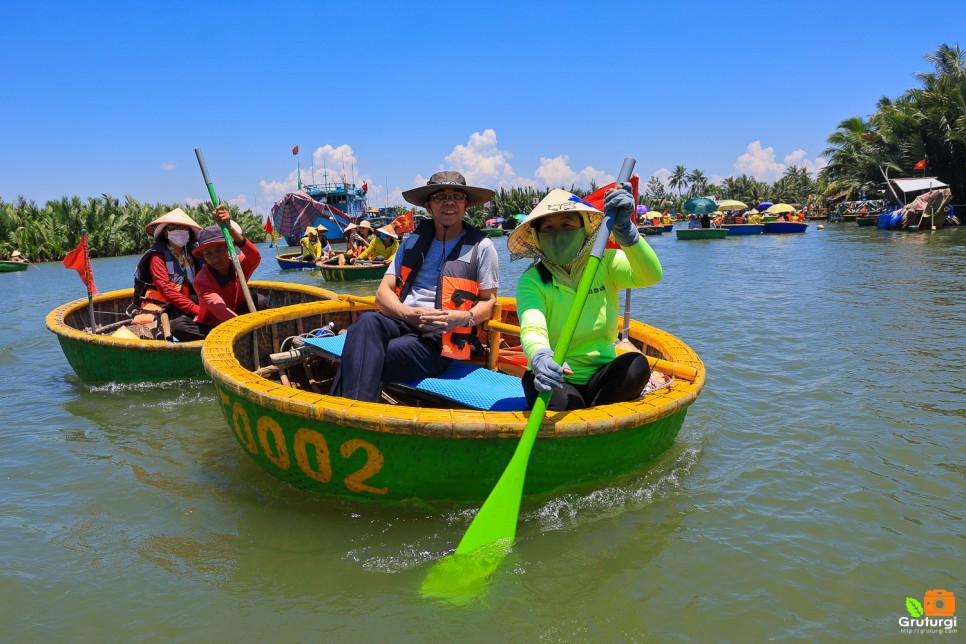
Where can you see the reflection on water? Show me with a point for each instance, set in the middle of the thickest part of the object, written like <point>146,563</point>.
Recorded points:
<point>815,484</point>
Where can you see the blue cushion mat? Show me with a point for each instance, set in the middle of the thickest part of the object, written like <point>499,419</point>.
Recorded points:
<point>462,382</point>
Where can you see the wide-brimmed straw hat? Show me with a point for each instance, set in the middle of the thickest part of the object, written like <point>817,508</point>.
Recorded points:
<point>520,242</point>
<point>448,179</point>
<point>15,253</point>
<point>176,217</point>
<point>365,224</point>
<point>348,228</point>
<point>212,236</point>
<point>387,230</point>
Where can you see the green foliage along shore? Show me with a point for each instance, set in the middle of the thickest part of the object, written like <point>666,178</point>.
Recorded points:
<point>113,228</point>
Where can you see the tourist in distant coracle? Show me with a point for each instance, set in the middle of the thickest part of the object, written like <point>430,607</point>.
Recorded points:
<point>693,221</point>
<point>220,296</point>
<point>560,233</point>
<point>417,332</point>
<point>17,256</point>
<point>164,276</point>
<point>315,247</point>
<point>383,246</point>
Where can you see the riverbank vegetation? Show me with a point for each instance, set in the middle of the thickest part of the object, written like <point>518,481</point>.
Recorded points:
<point>926,124</point>
<point>49,232</point>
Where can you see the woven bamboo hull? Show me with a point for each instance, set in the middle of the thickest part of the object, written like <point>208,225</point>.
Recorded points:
<point>390,453</point>
<point>103,358</point>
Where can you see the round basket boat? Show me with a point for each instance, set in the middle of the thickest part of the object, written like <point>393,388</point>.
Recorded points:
<point>104,357</point>
<point>421,447</point>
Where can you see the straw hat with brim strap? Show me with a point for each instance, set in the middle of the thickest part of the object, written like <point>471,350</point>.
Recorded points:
<point>387,230</point>
<point>448,179</point>
<point>521,241</point>
<point>212,236</point>
<point>176,217</point>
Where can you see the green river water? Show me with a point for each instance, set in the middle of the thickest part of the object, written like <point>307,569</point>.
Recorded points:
<point>818,480</point>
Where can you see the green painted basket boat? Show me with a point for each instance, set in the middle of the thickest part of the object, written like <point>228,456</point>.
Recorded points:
<point>353,272</point>
<point>421,449</point>
<point>701,233</point>
<point>12,267</point>
<point>102,357</point>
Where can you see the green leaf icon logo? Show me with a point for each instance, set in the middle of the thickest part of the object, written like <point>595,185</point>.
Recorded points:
<point>914,607</point>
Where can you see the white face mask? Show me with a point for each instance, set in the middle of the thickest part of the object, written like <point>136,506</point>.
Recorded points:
<point>179,238</point>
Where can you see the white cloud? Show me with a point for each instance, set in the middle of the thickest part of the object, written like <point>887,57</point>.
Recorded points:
<point>168,166</point>
<point>557,172</point>
<point>760,162</point>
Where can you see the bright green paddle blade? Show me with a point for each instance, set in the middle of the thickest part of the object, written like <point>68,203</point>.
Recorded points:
<point>463,578</point>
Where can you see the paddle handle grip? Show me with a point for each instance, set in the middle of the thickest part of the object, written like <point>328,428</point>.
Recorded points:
<point>601,242</point>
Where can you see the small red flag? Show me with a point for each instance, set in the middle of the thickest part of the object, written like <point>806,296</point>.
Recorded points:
<point>79,260</point>
<point>920,166</point>
<point>295,150</point>
<point>404,223</point>
<point>365,187</point>
<point>268,228</point>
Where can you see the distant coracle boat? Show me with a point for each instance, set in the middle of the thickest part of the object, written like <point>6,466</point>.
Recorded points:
<point>781,227</point>
<point>688,234</point>
<point>12,267</point>
<point>429,445</point>
<point>103,357</point>
<point>743,229</point>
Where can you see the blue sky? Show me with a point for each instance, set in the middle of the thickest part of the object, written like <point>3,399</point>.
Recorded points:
<point>113,98</point>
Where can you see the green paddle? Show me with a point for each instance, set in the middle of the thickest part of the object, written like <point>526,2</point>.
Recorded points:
<point>495,526</point>
<point>224,231</point>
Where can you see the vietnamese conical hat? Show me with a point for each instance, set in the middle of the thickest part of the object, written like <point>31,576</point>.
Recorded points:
<point>521,242</point>
<point>177,217</point>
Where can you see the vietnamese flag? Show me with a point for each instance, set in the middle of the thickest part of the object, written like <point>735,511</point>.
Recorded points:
<point>403,223</point>
<point>365,187</point>
<point>268,228</point>
<point>80,261</point>
<point>596,199</point>
<point>295,150</point>
<point>920,166</point>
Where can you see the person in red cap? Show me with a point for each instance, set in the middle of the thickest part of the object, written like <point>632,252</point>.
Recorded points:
<point>220,296</point>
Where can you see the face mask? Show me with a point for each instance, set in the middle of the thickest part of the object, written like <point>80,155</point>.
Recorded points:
<point>179,238</point>
<point>561,246</point>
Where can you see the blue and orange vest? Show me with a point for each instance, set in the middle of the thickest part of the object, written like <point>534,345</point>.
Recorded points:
<point>457,287</point>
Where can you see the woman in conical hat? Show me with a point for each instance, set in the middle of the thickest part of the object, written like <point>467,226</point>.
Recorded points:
<point>559,234</point>
<point>165,274</point>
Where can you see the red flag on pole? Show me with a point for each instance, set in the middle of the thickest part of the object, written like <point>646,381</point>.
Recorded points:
<point>365,187</point>
<point>403,223</point>
<point>268,228</point>
<point>295,150</point>
<point>920,166</point>
<point>80,261</point>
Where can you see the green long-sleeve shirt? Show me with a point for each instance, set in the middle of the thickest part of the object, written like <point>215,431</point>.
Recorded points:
<point>543,308</point>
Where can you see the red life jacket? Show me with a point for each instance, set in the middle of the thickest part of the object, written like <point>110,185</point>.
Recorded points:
<point>457,287</point>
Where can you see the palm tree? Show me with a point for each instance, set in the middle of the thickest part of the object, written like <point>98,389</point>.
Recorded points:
<point>698,182</point>
<point>678,179</point>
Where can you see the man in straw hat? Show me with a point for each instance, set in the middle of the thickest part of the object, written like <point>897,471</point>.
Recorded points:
<point>164,276</point>
<point>442,282</point>
<point>560,233</point>
<point>220,296</point>
<point>17,256</point>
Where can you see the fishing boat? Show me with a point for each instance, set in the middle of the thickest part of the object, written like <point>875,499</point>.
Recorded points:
<point>439,439</point>
<point>114,353</point>
<point>688,234</point>
<point>346,203</point>
<point>743,229</point>
<point>779,226</point>
<point>11,267</point>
